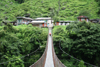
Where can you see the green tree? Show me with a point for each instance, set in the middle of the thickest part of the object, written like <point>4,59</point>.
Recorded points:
<point>81,40</point>
<point>20,1</point>
<point>84,12</point>
<point>81,64</point>
<point>18,41</point>
<point>98,2</point>
<point>84,39</point>
<point>16,62</point>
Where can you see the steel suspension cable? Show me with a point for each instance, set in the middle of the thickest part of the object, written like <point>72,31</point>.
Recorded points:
<point>74,57</point>
<point>23,56</point>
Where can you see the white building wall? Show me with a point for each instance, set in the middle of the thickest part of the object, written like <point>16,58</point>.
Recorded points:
<point>87,20</point>
<point>63,23</point>
<point>59,23</point>
<point>67,24</point>
<point>82,19</point>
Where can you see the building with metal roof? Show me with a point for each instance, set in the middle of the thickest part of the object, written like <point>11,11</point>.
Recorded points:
<point>83,18</point>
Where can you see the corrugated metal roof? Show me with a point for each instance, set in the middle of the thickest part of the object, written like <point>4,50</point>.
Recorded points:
<point>66,21</point>
<point>83,17</point>
<point>44,18</point>
<point>27,18</point>
<point>37,22</point>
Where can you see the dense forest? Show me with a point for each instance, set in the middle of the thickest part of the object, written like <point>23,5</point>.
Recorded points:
<point>76,45</point>
<point>79,41</point>
<point>17,45</point>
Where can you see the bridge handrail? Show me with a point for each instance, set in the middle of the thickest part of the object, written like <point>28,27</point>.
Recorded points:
<point>57,62</point>
<point>41,61</point>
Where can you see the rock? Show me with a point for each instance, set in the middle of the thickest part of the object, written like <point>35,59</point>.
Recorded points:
<point>5,5</point>
<point>2,9</point>
<point>75,11</point>
<point>11,3</point>
<point>6,18</point>
<point>41,1</point>
<point>10,9</point>
<point>63,3</point>
<point>50,8</point>
<point>68,6</point>
<point>27,15</point>
<point>5,12</point>
<point>63,8</point>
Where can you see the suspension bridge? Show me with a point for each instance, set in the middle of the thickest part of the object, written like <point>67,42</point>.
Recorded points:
<point>49,58</point>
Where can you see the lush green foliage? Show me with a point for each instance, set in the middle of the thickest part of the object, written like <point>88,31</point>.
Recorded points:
<point>98,1</point>
<point>59,10</point>
<point>20,1</point>
<point>18,41</point>
<point>81,40</point>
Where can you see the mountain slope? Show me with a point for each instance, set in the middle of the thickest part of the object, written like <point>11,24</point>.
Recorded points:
<point>59,10</point>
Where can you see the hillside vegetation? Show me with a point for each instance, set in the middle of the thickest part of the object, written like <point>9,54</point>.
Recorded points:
<point>58,9</point>
<point>80,40</point>
<point>17,45</point>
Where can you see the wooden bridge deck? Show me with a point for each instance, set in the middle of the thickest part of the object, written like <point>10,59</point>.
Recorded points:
<point>49,58</point>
